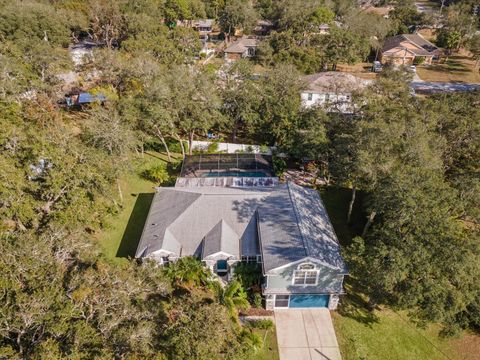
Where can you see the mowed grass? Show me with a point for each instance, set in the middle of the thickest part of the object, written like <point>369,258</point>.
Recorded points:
<point>459,67</point>
<point>382,334</point>
<point>121,232</point>
<point>390,336</point>
<point>269,350</point>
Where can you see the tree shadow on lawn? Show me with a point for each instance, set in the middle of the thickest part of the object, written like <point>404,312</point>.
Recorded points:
<point>355,304</point>
<point>449,67</point>
<point>133,231</point>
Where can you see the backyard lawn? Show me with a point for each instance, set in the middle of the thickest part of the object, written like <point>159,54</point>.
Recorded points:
<point>121,233</point>
<point>383,334</point>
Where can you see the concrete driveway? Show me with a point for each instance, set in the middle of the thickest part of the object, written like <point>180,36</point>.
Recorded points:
<point>306,334</point>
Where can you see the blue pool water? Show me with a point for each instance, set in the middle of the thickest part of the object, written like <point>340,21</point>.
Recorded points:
<point>233,174</point>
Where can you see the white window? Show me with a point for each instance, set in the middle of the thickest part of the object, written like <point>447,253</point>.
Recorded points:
<point>281,300</point>
<point>251,258</point>
<point>310,96</point>
<point>305,275</point>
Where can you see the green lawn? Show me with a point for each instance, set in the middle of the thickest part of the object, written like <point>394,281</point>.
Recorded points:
<point>382,334</point>
<point>121,233</point>
<point>386,335</point>
<point>269,350</point>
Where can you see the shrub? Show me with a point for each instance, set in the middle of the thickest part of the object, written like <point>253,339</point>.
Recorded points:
<point>419,60</point>
<point>212,148</point>
<point>257,300</point>
<point>157,173</point>
<point>264,149</point>
<point>248,274</point>
<point>280,166</point>
<point>263,324</point>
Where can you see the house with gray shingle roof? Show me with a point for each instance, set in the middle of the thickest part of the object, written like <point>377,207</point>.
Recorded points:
<point>285,227</point>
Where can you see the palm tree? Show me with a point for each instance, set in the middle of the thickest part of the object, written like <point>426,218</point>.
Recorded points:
<point>188,271</point>
<point>234,297</point>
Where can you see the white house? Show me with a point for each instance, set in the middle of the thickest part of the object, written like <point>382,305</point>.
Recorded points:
<point>332,90</point>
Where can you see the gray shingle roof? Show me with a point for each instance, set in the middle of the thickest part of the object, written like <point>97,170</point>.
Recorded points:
<point>189,214</point>
<point>294,225</point>
<point>242,45</point>
<point>167,206</point>
<point>291,222</point>
<point>221,238</point>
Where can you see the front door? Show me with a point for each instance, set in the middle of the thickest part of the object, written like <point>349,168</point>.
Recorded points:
<point>222,267</point>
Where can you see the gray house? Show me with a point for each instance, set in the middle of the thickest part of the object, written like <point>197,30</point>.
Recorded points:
<point>284,227</point>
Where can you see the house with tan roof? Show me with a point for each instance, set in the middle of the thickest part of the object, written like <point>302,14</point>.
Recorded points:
<point>404,49</point>
<point>245,47</point>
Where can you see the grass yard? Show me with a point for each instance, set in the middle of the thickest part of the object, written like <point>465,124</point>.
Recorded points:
<point>269,351</point>
<point>382,334</point>
<point>459,67</point>
<point>385,335</point>
<point>121,233</point>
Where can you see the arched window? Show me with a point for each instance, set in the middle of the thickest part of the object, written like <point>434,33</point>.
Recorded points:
<point>305,275</point>
<point>306,266</point>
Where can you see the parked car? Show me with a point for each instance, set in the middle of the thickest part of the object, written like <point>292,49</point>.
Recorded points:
<point>377,66</point>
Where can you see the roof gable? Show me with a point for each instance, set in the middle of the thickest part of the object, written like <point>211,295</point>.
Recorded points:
<point>167,206</point>
<point>418,45</point>
<point>222,238</point>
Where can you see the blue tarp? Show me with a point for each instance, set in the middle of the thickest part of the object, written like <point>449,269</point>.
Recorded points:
<point>86,98</point>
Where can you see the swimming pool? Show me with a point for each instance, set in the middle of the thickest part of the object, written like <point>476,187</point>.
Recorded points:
<point>234,174</point>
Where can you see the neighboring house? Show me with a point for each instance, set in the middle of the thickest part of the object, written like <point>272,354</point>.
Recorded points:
<point>203,26</point>
<point>332,90</point>
<point>263,27</point>
<point>404,49</point>
<point>285,227</point>
<point>245,47</point>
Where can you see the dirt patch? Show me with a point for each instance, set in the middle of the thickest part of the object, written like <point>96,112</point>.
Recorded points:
<point>361,70</point>
<point>467,347</point>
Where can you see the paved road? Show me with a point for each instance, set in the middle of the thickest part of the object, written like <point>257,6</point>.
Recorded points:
<point>439,87</point>
<point>306,334</point>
